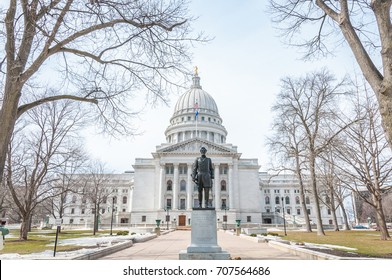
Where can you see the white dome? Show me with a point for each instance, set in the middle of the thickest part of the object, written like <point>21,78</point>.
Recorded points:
<point>186,124</point>
<point>196,96</point>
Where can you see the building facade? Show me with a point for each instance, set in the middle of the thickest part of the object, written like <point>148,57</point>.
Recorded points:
<point>161,187</point>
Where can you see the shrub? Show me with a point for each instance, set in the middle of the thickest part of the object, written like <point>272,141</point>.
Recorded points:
<point>253,235</point>
<point>123,232</point>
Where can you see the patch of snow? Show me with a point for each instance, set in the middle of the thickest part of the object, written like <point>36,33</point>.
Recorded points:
<point>101,241</point>
<point>329,246</point>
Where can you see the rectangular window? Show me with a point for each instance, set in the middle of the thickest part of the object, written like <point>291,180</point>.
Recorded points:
<point>71,221</point>
<point>169,169</point>
<point>144,219</point>
<point>308,211</point>
<point>182,203</point>
<point>168,203</point>
<point>288,211</point>
<point>83,211</point>
<point>329,211</point>
<point>72,211</point>
<point>248,219</point>
<point>224,203</point>
<point>298,211</point>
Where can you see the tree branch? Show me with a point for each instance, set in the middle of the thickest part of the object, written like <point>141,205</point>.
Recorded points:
<point>23,108</point>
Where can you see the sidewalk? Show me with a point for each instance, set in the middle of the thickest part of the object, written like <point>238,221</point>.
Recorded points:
<point>168,247</point>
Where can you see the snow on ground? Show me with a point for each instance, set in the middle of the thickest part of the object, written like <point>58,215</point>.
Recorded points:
<point>329,246</point>
<point>102,242</point>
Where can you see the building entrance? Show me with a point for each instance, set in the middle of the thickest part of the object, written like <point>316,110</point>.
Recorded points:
<point>181,220</point>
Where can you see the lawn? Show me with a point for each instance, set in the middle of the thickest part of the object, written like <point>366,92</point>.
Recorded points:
<point>366,242</point>
<point>39,241</point>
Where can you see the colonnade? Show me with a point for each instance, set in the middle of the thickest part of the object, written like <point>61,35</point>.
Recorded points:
<point>190,192</point>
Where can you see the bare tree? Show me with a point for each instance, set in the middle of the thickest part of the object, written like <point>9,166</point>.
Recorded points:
<point>365,26</point>
<point>97,190</point>
<point>98,52</point>
<point>287,145</point>
<point>328,182</point>
<point>366,159</point>
<point>37,150</point>
<point>310,103</point>
<point>68,181</point>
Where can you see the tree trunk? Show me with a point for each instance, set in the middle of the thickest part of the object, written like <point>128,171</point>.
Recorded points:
<point>8,117</point>
<point>333,209</point>
<point>320,230</point>
<point>385,106</point>
<point>302,194</point>
<point>346,225</point>
<point>381,220</point>
<point>24,228</point>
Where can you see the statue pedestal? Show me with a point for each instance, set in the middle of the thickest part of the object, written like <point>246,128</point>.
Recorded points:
<point>204,245</point>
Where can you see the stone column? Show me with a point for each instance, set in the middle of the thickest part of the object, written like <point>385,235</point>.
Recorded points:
<point>231,187</point>
<point>175,187</point>
<point>236,188</point>
<point>217,187</point>
<point>162,186</point>
<point>189,188</point>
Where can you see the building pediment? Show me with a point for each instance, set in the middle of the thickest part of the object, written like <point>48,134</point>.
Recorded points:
<point>194,145</point>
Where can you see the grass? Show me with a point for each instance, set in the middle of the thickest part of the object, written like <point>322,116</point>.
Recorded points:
<point>366,242</point>
<point>39,241</point>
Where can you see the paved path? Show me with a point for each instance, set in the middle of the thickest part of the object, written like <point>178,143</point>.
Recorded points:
<point>168,246</point>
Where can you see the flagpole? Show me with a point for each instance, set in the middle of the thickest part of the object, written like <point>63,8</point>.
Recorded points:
<point>196,106</point>
<point>197,116</point>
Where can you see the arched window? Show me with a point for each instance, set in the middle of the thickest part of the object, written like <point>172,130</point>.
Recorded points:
<point>169,185</point>
<point>182,186</point>
<point>125,199</point>
<point>267,200</point>
<point>277,200</point>
<point>307,200</point>
<point>297,201</point>
<point>223,185</point>
<point>287,200</point>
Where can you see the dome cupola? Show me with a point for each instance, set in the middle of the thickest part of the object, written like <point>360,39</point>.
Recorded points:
<point>196,115</point>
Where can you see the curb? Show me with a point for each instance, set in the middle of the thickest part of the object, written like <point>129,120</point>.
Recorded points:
<point>104,252</point>
<point>115,248</point>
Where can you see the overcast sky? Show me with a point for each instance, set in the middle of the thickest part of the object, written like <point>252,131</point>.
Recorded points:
<point>241,69</point>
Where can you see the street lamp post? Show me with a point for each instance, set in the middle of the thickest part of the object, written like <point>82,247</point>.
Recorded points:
<point>111,220</point>
<point>284,218</point>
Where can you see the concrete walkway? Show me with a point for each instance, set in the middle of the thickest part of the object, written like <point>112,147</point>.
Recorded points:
<point>168,247</point>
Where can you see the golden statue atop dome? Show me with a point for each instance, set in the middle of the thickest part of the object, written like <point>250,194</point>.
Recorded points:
<point>196,71</point>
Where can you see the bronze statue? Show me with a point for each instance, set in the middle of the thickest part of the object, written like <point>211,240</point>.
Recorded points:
<point>202,175</point>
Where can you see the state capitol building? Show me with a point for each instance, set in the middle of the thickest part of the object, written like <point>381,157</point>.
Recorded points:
<point>161,187</point>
